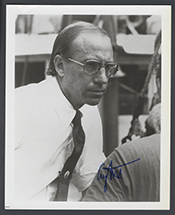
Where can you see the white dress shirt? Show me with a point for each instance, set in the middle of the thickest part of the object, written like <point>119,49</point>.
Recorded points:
<point>43,141</point>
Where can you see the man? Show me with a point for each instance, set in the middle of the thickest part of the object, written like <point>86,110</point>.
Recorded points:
<point>81,64</point>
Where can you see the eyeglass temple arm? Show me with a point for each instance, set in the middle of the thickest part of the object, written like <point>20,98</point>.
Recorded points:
<point>76,61</point>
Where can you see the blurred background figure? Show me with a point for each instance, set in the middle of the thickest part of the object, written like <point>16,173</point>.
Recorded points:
<point>152,123</point>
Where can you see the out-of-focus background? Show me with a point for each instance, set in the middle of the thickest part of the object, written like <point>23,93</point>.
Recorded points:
<point>133,39</point>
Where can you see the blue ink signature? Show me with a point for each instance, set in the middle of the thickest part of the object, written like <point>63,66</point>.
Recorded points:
<point>114,172</point>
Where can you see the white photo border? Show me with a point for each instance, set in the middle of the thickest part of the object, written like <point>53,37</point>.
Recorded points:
<point>165,11</point>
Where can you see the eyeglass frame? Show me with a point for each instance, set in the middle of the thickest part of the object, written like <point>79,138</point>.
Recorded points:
<point>103,65</point>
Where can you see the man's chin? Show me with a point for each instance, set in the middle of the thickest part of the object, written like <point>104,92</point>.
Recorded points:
<point>93,102</point>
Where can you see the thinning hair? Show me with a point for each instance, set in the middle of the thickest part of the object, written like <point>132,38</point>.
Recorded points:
<point>64,40</point>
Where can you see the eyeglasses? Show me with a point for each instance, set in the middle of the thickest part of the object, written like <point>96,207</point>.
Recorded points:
<point>91,67</point>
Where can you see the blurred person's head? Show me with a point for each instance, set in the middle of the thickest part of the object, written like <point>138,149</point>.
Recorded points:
<point>153,122</point>
<point>82,61</point>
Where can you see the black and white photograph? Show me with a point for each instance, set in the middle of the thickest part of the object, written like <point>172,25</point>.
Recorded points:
<point>88,107</point>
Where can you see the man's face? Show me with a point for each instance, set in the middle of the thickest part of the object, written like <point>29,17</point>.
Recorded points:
<point>78,87</point>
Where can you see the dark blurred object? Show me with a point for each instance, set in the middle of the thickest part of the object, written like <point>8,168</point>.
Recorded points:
<point>46,24</point>
<point>132,24</point>
<point>85,18</point>
<point>153,121</point>
<point>135,128</point>
<point>67,19</point>
<point>38,24</point>
<point>130,88</point>
<point>24,24</point>
<point>25,73</point>
<point>153,24</point>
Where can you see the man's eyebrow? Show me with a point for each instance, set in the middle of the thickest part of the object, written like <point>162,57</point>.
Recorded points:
<point>99,60</point>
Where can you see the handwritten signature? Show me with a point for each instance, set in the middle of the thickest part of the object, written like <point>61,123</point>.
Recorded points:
<point>114,172</point>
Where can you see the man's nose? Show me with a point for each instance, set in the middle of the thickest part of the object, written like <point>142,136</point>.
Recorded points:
<point>101,76</point>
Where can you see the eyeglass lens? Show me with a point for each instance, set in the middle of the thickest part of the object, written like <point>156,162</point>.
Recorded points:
<point>92,67</point>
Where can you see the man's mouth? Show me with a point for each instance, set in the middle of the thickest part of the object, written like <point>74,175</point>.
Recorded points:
<point>97,92</point>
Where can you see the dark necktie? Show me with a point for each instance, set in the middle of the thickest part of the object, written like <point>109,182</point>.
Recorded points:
<point>66,173</point>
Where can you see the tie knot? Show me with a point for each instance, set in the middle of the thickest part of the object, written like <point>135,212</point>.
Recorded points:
<point>77,119</point>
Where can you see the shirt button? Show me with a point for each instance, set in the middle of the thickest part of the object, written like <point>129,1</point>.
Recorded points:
<point>66,174</point>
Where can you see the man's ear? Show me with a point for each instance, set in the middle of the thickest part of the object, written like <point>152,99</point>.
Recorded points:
<point>58,64</point>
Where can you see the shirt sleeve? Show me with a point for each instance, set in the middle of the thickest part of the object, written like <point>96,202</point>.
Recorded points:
<point>92,155</point>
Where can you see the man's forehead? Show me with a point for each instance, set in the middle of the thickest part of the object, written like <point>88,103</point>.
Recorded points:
<point>94,38</point>
<point>92,46</point>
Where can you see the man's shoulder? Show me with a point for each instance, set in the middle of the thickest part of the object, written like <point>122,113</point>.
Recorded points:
<point>31,97</point>
<point>27,92</point>
<point>30,87</point>
<point>143,146</point>
<point>34,91</point>
<point>149,141</point>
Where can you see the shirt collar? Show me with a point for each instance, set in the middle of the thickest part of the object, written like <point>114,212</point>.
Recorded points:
<point>62,106</point>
